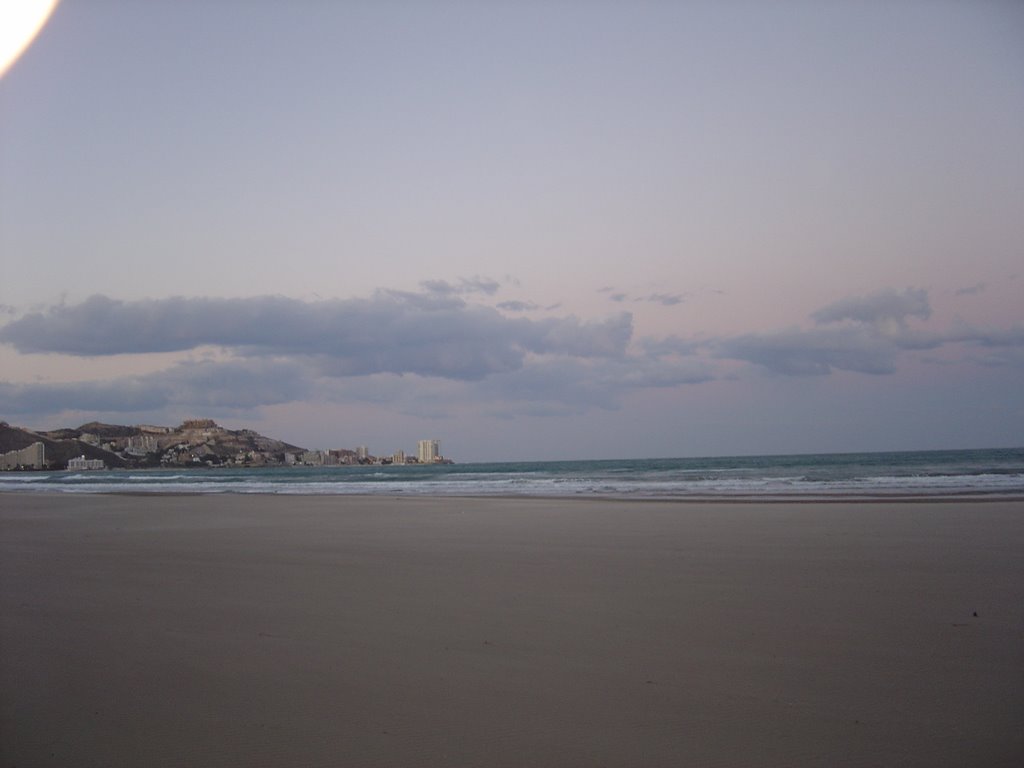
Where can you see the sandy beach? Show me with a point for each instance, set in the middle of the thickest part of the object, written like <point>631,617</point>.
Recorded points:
<point>374,631</point>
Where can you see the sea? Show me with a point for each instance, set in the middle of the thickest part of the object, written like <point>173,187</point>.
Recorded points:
<point>989,472</point>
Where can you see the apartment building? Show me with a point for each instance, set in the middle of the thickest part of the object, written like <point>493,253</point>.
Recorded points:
<point>32,457</point>
<point>429,451</point>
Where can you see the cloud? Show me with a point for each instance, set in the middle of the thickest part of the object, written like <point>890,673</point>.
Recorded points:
<point>240,384</point>
<point>514,305</point>
<point>432,351</point>
<point>557,384</point>
<point>230,385</point>
<point>864,334</point>
<point>872,333</point>
<point>432,334</point>
<point>568,383</point>
<point>959,333</point>
<point>970,290</point>
<point>986,337</point>
<point>575,385</point>
<point>815,352</point>
<point>464,286</point>
<point>883,308</point>
<point>669,345</point>
<point>427,300</point>
<point>104,326</point>
<point>123,395</point>
<point>570,336</point>
<point>665,299</point>
<point>648,374</point>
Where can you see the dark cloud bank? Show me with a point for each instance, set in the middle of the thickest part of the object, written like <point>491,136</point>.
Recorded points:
<point>390,333</point>
<point>283,349</point>
<point>863,334</point>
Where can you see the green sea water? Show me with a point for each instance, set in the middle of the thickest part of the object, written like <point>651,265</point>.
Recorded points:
<point>905,473</point>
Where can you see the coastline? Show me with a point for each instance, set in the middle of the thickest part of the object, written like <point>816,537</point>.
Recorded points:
<point>947,497</point>
<point>251,629</point>
<point>968,473</point>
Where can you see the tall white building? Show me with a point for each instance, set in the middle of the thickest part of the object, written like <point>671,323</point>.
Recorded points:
<point>33,457</point>
<point>429,451</point>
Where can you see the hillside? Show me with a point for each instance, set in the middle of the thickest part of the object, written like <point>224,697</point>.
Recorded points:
<point>194,442</point>
<point>59,450</point>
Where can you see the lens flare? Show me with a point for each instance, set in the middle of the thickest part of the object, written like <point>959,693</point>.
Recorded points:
<point>20,22</point>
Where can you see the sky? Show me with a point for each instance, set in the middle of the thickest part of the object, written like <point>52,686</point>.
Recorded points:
<point>530,230</point>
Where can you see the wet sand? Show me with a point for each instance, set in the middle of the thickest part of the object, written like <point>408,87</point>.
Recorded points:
<point>372,631</point>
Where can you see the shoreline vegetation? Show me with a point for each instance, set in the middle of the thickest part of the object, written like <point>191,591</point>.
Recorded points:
<point>261,630</point>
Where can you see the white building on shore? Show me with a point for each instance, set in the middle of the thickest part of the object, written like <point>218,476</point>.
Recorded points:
<point>81,464</point>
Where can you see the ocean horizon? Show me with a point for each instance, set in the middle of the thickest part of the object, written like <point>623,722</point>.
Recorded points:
<point>994,472</point>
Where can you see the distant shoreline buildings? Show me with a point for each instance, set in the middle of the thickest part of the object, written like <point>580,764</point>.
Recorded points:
<point>195,443</point>
<point>429,451</point>
<point>82,464</point>
<point>31,457</point>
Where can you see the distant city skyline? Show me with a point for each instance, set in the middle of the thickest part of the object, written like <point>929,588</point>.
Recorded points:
<point>538,231</point>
